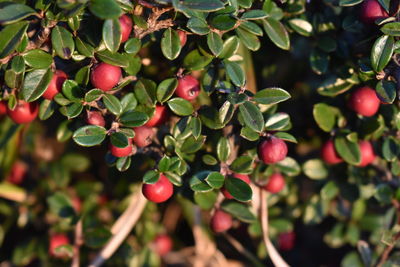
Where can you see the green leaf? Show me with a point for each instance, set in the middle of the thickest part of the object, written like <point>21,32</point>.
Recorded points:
<point>254,15</point>
<point>386,91</point>
<point>38,59</point>
<point>239,210</point>
<point>381,52</point>
<point>132,46</point>
<point>199,5</point>
<point>84,48</point>
<point>248,39</point>
<point>289,166</point>
<point>46,109</point>
<point>151,177</point>
<point>215,180</point>
<point>112,34</point>
<point>123,163</point>
<point>315,169</point>
<point>72,91</point>
<point>271,96</point>
<point>116,59</point>
<point>325,116</point>
<point>192,145</point>
<point>230,47</point>
<point>60,204</point>
<point>93,95</point>
<point>14,12</point>
<point>242,164</point>
<point>128,102</point>
<point>194,60</point>
<point>134,118</point>
<point>105,9</point>
<point>119,140</point>
<point>180,106</point>
<point>277,33</point>
<point>349,151</point>
<point>390,149</point>
<point>278,122</point>
<point>170,44</point>
<point>223,22</point>
<point>36,82</point>
<point>90,135</point>
<point>198,25</point>
<point>112,104</point>
<point>235,73</point>
<point>198,183</point>
<point>329,190</point>
<point>286,137</point>
<point>145,92</point>
<point>209,160</point>
<point>349,2</point>
<point>239,189</point>
<point>72,111</point>
<point>223,149</point>
<point>174,178</point>
<point>301,26</point>
<point>384,194</point>
<point>392,28</point>
<point>10,37</point>
<point>215,43</point>
<point>164,163</point>
<point>205,200</point>
<point>62,42</point>
<point>319,61</point>
<point>166,89</point>
<point>252,116</point>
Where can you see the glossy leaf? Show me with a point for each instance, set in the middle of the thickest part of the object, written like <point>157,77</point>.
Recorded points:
<point>36,82</point>
<point>90,135</point>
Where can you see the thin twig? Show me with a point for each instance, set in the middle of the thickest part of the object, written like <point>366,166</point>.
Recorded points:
<point>388,249</point>
<point>117,239</point>
<point>240,248</point>
<point>77,244</point>
<point>272,252</point>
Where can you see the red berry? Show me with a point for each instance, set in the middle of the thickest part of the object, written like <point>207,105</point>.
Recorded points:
<point>3,107</point>
<point>162,244</point>
<point>329,154</point>
<point>286,241</point>
<point>272,150</point>
<point>160,191</point>
<point>367,153</point>
<point>188,88</point>
<point>24,112</point>
<point>182,37</point>
<point>95,118</point>
<point>121,151</point>
<point>143,136</point>
<point>275,183</point>
<point>18,172</point>
<point>372,10</point>
<point>55,85</point>
<point>56,241</point>
<point>364,101</point>
<point>159,117</point>
<point>126,27</point>
<point>105,76</point>
<point>220,221</point>
<point>243,177</point>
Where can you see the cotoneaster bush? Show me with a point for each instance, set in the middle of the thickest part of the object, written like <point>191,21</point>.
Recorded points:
<point>199,132</point>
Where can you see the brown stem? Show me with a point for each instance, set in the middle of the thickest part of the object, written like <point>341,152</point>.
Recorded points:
<point>153,24</point>
<point>272,252</point>
<point>388,249</point>
<point>116,240</point>
<point>78,243</point>
<point>240,248</point>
